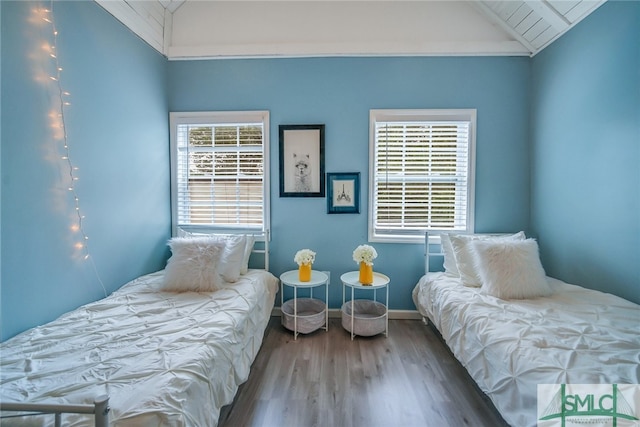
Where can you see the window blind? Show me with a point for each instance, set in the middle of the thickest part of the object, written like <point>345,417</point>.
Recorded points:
<point>220,175</point>
<point>420,177</point>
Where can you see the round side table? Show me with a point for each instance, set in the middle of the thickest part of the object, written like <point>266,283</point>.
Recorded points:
<point>318,278</point>
<point>380,281</point>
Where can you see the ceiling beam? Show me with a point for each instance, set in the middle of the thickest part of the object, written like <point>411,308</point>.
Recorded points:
<point>492,15</point>
<point>549,14</point>
<point>171,5</point>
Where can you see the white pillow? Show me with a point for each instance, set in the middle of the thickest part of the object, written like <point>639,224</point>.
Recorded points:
<point>465,261</point>
<point>450,266</point>
<point>193,265</point>
<point>232,258</point>
<point>511,269</point>
<point>250,240</point>
<point>235,259</point>
<point>184,233</point>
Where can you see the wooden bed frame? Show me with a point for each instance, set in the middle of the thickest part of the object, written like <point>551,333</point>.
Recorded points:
<point>100,408</point>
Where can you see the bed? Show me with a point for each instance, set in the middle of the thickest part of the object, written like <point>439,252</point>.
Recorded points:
<point>509,343</point>
<point>160,352</point>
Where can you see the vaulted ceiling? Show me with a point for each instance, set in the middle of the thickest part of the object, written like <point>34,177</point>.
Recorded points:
<point>194,29</point>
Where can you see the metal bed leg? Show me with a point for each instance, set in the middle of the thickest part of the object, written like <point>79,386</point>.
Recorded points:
<point>102,411</point>
<point>99,409</point>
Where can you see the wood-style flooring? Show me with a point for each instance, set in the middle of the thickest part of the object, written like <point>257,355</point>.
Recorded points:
<point>325,379</point>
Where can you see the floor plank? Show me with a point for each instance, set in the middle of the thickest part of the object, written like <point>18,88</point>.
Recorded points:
<point>325,379</point>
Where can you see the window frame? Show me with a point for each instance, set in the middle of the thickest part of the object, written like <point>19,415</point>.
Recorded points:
<point>421,115</point>
<point>219,117</point>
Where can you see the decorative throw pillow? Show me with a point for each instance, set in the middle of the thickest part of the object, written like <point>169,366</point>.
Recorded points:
<point>511,269</point>
<point>193,265</point>
<point>464,256</point>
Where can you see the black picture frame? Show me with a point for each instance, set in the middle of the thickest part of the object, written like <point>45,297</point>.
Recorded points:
<point>343,192</point>
<point>302,160</point>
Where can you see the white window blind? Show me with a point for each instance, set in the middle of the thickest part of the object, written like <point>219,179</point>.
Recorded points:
<point>219,171</point>
<point>421,173</point>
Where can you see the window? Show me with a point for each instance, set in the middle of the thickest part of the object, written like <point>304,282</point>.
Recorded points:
<point>421,173</point>
<point>219,170</point>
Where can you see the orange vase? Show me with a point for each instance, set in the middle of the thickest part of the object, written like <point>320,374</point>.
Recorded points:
<point>366,273</point>
<point>304,272</point>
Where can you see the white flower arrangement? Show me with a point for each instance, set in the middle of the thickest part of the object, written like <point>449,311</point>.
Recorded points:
<point>365,253</point>
<point>305,256</point>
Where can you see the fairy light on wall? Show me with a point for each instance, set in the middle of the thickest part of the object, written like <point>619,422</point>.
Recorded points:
<point>59,124</point>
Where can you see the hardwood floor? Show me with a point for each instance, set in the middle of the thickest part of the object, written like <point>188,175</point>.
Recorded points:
<point>325,379</point>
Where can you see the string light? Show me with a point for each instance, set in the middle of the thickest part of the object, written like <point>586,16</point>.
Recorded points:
<point>60,123</point>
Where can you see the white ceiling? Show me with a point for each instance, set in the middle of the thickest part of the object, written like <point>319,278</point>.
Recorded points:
<point>194,29</point>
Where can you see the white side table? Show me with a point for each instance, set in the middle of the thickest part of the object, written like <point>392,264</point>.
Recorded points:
<point>380,281</point>
<point>318,278</point>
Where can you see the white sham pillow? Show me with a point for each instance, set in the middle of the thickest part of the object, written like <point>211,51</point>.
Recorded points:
<point>183,233</point>
<point>235,259</point>
<point>449,265</point>
<point>232,260</point>
<point>463,253</point>
<point>193,266</point>
<point>250,240</point>
<point>511,269</point>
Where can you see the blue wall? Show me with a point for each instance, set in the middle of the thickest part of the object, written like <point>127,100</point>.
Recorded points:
<point>557,152</point>
<point>339,92</point>
<point>586,152</point>
<point>118,136</point>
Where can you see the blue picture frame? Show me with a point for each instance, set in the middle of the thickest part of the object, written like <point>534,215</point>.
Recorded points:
<point>302,160</point>
<point>343,192</point>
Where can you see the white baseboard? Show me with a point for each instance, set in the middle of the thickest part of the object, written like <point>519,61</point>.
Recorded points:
<point>393,314</point>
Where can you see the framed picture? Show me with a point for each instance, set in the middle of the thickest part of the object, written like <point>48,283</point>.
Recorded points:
<point>301,160</point>
<point>343,192</point>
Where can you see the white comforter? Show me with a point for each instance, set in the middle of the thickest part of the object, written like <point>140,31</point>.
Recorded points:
<point>164,359</point>
<point>577,336</point>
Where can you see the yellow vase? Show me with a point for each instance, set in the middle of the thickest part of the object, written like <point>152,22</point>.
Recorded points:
<point>366,274</point>
<point>304,272</point>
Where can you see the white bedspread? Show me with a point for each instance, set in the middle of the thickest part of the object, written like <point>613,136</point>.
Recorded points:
<point>577,336</point>
<point>164,359</point>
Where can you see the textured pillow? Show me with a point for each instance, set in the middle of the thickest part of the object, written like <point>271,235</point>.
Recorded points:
<point>465,261</point>
<point>193,265</point>
<point>450,266</point>
<point>511,269</point>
